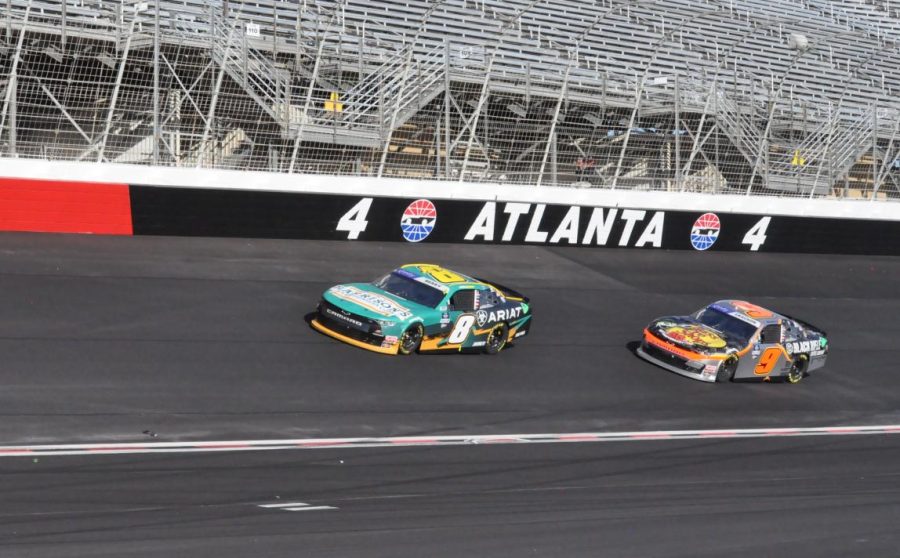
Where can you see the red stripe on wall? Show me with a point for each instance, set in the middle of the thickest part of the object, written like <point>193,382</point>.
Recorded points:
<point>64,207</point>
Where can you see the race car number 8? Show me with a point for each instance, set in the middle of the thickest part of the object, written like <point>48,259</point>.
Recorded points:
<point>442,275</point>
<point>461,329</point>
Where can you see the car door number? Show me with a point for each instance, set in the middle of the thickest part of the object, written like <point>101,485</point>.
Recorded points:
<point>767,361</point>
<point>462,328</point>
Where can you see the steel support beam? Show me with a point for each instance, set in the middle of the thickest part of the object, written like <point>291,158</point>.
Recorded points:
<point>210,116</point>
<point>396,111</point>
<point>639,91</point>
<point>13,113</point>
<point>888,157</point>
<point>10,99</point>
<point>187,90</point>
<point>437,148</point>
<point>58,105</point>
<point>447,148</point>
<point>827,157</point>
<point>481,101</point>
<point>304,116</point>
<point>115,95</point>
<point>702,142</point>
<point>62,30</point>
<point>175,102</point>
<point>695,147</point>
<point>466,125</point>
<point>675,131</point>
<point>874,150</point>
<point>156,128</point>
<point>551,139</point>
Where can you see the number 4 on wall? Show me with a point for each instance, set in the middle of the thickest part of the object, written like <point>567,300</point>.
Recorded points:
<point>354,221</point>
<point>756,236</point>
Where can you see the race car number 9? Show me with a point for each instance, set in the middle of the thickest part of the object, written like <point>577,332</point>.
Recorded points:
<point>462,328</point>
<point>767,361</point>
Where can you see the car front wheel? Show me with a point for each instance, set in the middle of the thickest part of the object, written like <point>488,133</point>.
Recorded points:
<point>727,370</point>
<point>411,339</point>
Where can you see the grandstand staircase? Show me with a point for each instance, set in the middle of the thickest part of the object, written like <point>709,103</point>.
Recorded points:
<point>365,115</point>
<point>830,153</point>
<point>268,85</point>
<point>381,102</point>
<point>802,168</point>
<point>224,153</point>
<point>739,126</point>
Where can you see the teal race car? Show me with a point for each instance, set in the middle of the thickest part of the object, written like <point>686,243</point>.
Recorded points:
<point>423,307</point>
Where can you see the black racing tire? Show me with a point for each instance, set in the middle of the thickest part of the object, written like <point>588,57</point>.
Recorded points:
<point>411,339</point>
<point>496,339</point>
<point>798,369</point>
<point>727,370</point>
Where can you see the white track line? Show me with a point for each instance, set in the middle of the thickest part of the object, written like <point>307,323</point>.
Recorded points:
<point>427,441</point>
<point>296,506</point>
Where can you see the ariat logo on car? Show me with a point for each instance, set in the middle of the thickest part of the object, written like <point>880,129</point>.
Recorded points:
<point>705,231</point>
<point>481,318</point>
<point>504,314</point>
<point>418,220</point>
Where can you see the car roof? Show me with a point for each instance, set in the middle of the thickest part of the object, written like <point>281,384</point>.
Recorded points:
<point>447,278</point>
<point>748,310</point>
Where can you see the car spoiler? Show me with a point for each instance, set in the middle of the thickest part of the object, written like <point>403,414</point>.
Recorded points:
<point>806,325</point>
<point>507,292</point>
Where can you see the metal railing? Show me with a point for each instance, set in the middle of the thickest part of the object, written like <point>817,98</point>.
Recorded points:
<point>263,82</point>
<point>411,110</point>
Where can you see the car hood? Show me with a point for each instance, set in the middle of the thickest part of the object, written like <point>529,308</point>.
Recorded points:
<point>364,299</point>
<point>690,334</point>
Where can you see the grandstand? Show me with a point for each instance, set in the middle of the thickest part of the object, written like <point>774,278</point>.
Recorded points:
<point>785,97</point>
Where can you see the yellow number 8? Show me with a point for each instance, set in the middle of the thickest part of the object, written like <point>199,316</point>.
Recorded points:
<point>442,275</point>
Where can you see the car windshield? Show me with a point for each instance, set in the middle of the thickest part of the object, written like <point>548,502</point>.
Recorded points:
<point>404,286</point>
<point>733,328</point>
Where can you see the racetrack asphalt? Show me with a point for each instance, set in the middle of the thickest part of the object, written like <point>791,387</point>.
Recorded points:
<point>707,498</point>
<point>111,339</point>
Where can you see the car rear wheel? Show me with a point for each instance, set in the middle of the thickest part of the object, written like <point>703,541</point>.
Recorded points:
<point>798,369</point>
<point>727,370</point>
<point>496,339</point>
<point>411,339</point>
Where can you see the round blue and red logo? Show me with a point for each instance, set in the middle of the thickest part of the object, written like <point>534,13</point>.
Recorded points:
<point>418,220</point>
<point>705,231</point>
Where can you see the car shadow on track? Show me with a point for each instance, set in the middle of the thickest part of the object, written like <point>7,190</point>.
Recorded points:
<point>308,318</point>
<point>632,347</point>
